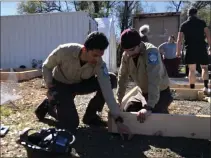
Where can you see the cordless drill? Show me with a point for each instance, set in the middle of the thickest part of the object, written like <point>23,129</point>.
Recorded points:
<point>47,106</point>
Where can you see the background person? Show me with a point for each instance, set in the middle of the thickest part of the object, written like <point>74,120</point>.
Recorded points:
<point>171,61</point>
<point>142,61</point>
<point>74,69</point>
<point>194,31</point>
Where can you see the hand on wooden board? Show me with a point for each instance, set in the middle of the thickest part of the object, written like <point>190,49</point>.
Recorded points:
<point>124,129</point>
<point>143,114</point>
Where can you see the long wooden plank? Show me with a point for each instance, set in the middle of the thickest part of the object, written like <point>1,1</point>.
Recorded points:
<point>198,79</point>
<point>21,76</point>
<point>188,126</point>
<point>180,83</point>
<point>197,86</point>
<point>186,94</point>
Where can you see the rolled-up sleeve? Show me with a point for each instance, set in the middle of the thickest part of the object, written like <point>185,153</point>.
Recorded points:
<point>52,61</point>
<point>154,76</point>
<point>105,85</point>
<point>122,79</point>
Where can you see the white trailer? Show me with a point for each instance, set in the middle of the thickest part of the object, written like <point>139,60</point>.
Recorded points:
<point>106,25</point>
<point>34,36</point>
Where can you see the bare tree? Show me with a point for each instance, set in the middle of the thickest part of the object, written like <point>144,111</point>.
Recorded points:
<point>124,11</point>
<point>201,4</point>
<point>174,6</point>
<point>43,7</point>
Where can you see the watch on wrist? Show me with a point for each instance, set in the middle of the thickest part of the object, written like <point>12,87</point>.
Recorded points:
<point>119,119</point>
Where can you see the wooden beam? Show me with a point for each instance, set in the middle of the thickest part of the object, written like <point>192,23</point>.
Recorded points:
<point>198,79</point>
<point>187,94</point>
<point>167,125</point>
<point>188,126</point>
<point>184,83</point>
<point>176,85</point>
<point>20,76</point>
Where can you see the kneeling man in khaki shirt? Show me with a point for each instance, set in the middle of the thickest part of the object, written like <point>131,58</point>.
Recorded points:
<point>74,69</point>
<point>142,61</point>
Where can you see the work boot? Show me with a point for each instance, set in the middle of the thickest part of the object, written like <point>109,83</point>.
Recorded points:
<point>52,111</point>
<point>42,109</point>
<point>93,120</point>
<point>45,108</point>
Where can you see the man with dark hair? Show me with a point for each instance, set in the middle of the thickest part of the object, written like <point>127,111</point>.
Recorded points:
<point>142,61</point>
<point>74,69</point>
<point>168,52</point>
<point>194,31</point>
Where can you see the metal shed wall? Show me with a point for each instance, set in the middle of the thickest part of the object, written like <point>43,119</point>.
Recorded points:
<point>161,26</point>
<point>34,36</point>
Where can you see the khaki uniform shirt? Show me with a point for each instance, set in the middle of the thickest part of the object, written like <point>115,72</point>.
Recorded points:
<point>150,74</point>
<point>63,64</point>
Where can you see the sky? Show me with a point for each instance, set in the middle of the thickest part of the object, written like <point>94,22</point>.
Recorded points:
<point>10,8</point>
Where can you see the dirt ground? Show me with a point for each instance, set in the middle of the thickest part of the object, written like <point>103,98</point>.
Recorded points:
<point>97,142</point>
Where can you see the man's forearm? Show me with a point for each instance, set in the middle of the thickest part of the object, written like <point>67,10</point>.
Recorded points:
<point>47,75</point>
<point>179,44</point>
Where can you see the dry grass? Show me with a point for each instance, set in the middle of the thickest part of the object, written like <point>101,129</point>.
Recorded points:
<point>97,142</point>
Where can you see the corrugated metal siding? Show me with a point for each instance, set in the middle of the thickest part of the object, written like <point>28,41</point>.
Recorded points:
<point>27,37</point>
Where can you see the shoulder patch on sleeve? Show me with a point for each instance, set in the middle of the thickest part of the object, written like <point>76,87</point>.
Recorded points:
<point>153,58</point>
<point>105,70</point>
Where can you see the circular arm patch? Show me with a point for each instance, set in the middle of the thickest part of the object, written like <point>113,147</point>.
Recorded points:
<point>153,58</point>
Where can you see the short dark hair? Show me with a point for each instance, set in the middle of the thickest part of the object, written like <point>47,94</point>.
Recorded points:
<point>96,40</point>
<point>192,11</point>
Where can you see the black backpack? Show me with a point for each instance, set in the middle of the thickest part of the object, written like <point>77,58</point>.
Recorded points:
<point>47,142</point>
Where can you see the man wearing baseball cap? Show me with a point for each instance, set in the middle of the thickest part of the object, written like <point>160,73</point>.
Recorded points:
<point>142,61</point>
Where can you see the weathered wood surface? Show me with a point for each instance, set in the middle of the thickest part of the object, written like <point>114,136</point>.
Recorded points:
<point>188,126</point>
<point>184,83</point>
<point>20,76</point>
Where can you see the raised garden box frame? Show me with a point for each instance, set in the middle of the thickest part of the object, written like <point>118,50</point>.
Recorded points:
<point>20,74</point>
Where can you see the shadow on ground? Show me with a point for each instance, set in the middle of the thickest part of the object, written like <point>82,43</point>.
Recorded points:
<point>98,143</point>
